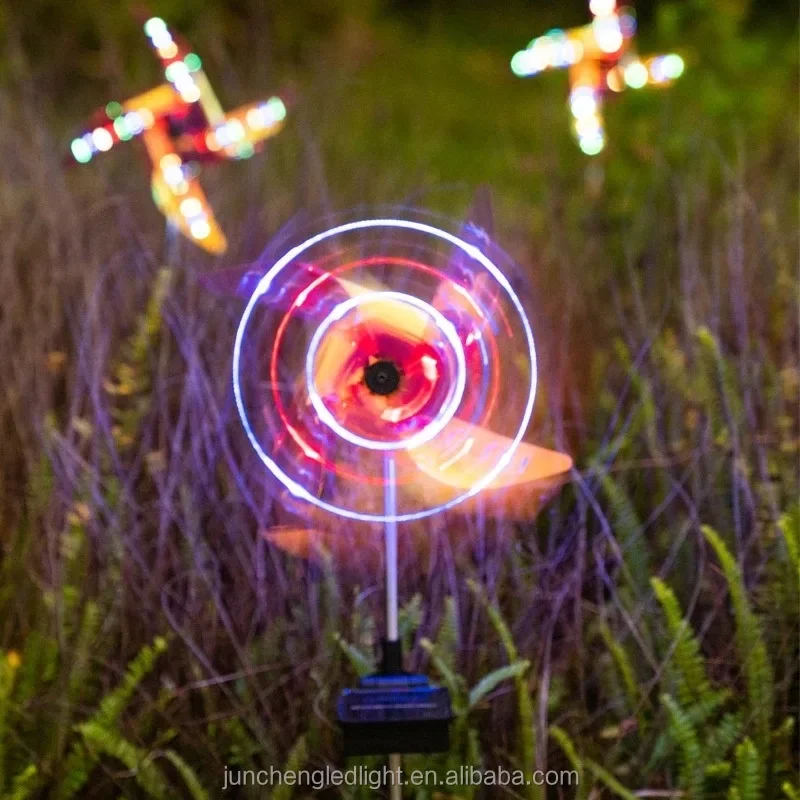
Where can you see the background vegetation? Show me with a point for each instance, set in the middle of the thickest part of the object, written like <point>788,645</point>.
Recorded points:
<point>643,632</point>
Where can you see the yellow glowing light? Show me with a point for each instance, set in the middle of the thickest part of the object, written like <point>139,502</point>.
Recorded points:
<point>147,118</point>
<point>254,120</point>
<point>191,207</point>
<point>636,75</point>
<point>200,229</point>
<point>170,161</point>
<point>169,50</point>
<point>211,142</point>
<point>614,80</point>
<point>191,94</point>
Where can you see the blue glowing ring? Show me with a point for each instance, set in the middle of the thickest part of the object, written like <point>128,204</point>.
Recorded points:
<point>450,405</point>
<point>263,286</point>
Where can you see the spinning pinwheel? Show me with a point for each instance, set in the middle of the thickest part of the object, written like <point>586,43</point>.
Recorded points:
<point>600,58</point>
<point>384,371</point>
<point>182,124</point>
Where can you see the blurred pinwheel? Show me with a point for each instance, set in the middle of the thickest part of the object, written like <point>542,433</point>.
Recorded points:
<point>390,338</point>
<point>182,125</point>
<point>600,58</point>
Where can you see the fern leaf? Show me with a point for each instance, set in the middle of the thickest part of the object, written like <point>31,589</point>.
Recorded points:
<point>630,534</point>
<point>496,618</point>
<point>453,681</point>
<point>623,665</point>
<point>693,683</point>
<point>189,776</point>
<point>489,682</point>
<point>751,644</point>
<point>748,773</point>
<point>115,701</point>
<point>568,748</point>
<point>448,636</point>
<point>791,792</point>
<point>609,781</point>
<point>298,756</point>
<point>692,777</point>
<point>24,784</point>
<point>361,662</point>
<point>138,761</point>
<point>724,736</point>
<point>789,525</point>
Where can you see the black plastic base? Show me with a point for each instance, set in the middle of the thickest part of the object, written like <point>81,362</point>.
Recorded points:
<point>395,714</point>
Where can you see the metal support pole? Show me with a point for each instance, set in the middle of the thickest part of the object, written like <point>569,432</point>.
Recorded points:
<point>392,630</point>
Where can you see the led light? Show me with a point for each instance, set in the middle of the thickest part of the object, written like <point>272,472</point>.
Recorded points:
<point>121,129</point>
<point>191,207</point>
<point>636,75</point>
<point>200,229</point>
<point>583,101</point>
<point>161,39</point>
<point>673,66</point>
<point>113,109</point>
<point>276,109</point>
<point>607,33</point>
<point>193,62</point>
<point>587,127</point>
<point>211,142</point>
<point>147,118</point>
<point>627,22</point>
<point>169,161</point>
<point>245,150</point>
<point>191,94</point>
<point>254,119</point>
<point>591,145</point>
<point>168,50</point>
<point>102,139</point>
<point>236,130</point>
<point>180,188</point>
<point>81,151</point>
<point>523,64</point>
<point>602,8</point>
<point>614,80</point>
<point>134,122</point>
<point>656,67</point>
<point>175,70</point>
<point>154,26</point>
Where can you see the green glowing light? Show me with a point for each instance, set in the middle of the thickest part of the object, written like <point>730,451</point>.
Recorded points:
<point>193,62</point>
<point>591,145</point>
<point>113,109</point>
<point>122,130</point>
<point>154,26</point>
<point>276,108</point>
<point>81,151</point>
<point>636,75</point>
<point>673,66</point>
<point>519,64</point>
<point>245,150</point>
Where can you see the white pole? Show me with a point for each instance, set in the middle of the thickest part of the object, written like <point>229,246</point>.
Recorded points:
<point>390,537</point>
<point>392,631</point>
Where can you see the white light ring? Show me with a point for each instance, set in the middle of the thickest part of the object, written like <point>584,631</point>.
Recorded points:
<point>473,252</point>
<point>454,395</point>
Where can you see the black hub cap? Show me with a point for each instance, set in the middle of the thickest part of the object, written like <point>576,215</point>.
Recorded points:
<point>382,377</point>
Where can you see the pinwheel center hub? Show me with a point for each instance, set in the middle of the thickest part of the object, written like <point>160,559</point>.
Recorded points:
<point>382,377</point>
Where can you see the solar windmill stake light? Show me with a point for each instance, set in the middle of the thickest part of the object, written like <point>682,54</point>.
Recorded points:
<point>384,372</point>
<point>600,59</point>
<point>182,125</point>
